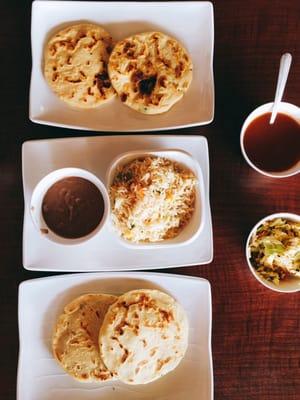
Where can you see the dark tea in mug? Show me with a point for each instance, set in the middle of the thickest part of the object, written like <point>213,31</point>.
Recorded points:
<point>273,148</point>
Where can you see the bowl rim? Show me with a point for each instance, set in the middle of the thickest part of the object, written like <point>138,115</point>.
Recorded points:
<point>268,285</point>
<point>46,182</point>
<point>262,109</point>
<point>199,193</point>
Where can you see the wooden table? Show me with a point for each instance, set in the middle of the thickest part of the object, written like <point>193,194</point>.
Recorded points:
<point>256,341</point>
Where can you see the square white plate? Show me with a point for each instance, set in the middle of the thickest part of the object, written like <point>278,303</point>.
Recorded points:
<point>42,300</point>
<point>189,22</point>
<point>105,251</point>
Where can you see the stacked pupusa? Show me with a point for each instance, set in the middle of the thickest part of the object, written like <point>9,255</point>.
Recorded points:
<point>136,338</point>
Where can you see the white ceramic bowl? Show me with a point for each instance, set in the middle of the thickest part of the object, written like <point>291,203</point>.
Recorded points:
<point>193,228</point>
<point>289,286</point>
<point>285,108</point>
<point>40,191</point>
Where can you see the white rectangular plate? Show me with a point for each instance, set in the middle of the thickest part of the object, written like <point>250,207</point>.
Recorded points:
<point>189,22</point>
<point>105,252</point>
<point>42,300</point>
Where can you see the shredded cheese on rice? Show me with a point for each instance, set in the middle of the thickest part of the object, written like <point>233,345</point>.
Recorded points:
<point>152,199</point>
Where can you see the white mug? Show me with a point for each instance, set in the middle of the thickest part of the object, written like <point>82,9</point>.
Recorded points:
<point>285,108</point>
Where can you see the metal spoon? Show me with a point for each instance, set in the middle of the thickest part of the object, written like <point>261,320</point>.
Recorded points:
<point>284,68</point>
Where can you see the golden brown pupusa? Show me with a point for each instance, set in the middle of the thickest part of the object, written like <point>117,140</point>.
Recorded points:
<point>75,65</point>
<point>144,336</point>
<point>150,72</point>
<point>75,337</point>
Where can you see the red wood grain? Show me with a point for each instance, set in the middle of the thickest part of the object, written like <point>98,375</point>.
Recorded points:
<point>256,342</point>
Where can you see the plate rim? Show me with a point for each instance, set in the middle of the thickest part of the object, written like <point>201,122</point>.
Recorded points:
<point>24,285</point>
<point>36,119</point>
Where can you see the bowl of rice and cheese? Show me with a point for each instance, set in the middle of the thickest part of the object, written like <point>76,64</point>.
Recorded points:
<point>156,198</point>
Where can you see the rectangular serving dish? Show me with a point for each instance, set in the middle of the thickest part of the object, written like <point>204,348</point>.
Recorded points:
<point>190,22</point>
<point>42,300</point>
<point>105,253</point>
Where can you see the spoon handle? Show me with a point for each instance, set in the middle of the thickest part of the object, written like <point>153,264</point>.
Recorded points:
<point>285,64</point>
